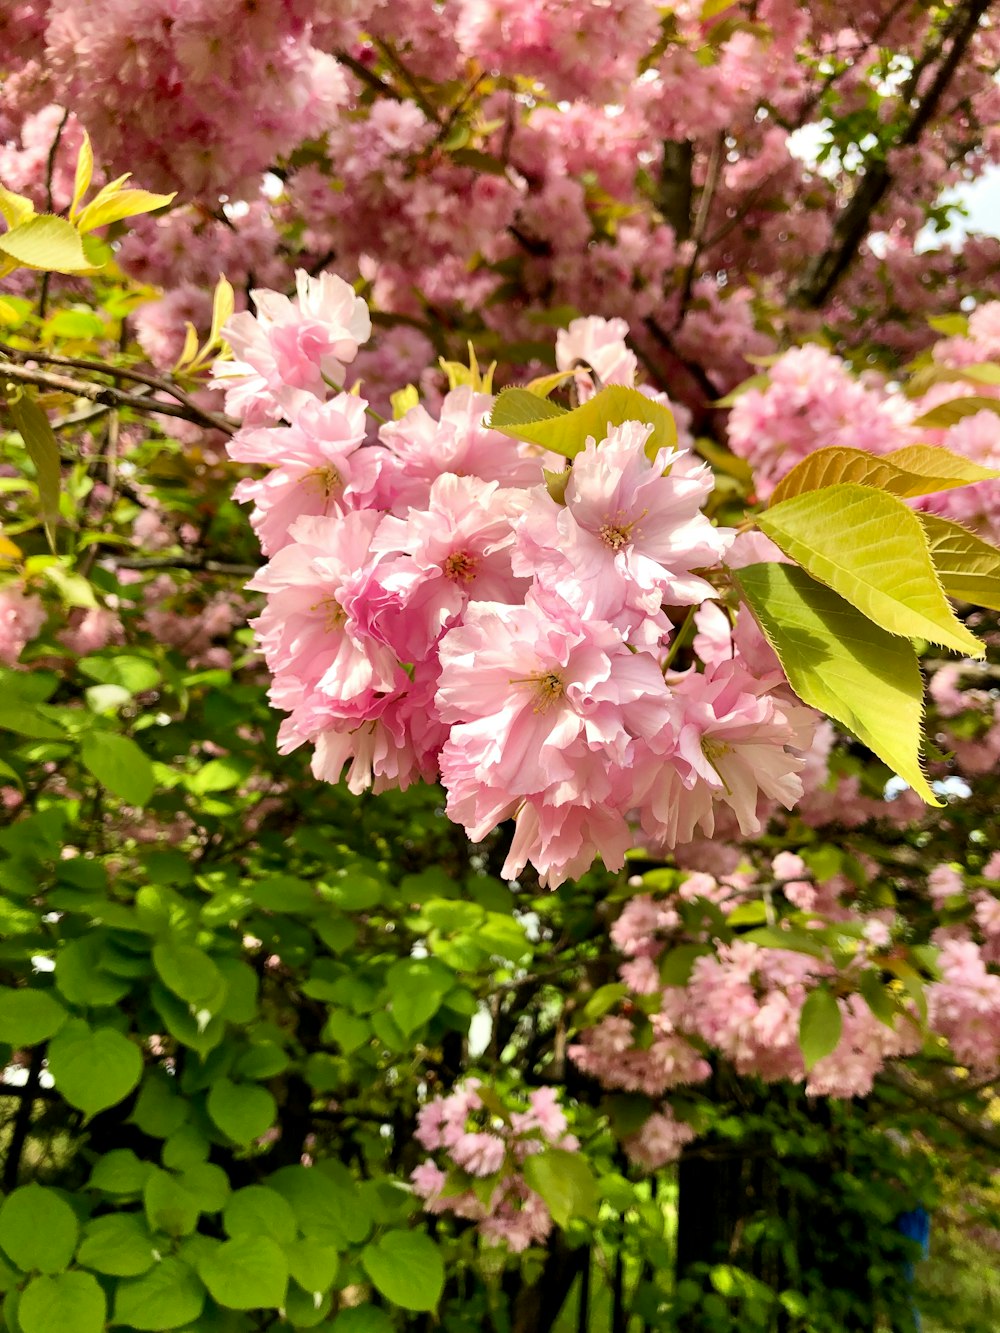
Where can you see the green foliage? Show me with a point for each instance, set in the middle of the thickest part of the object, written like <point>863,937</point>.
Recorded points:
<point>839,661</point>
<point>527,416</point>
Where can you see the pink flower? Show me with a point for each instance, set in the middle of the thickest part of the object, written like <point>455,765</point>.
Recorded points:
<point>291,349</point>
<point>21,619</point>
<point>479,1154</point>
<point>439,558</point>
<point>631,530</point>
<point>599,344</point>
<point>659,1141</point>
<point>319,467</point>
<point>944,882</point>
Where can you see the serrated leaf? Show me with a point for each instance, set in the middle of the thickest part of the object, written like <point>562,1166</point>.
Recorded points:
<point>820,1025</point>
<point>565,1182</point>
<point>949,414</point>
<point>968,567</point>
<point>118,764</point>
<point>836,660</point>
<point>871,550</point>
<point>43,449</point>
<point>525,416</point>
<point>46,242</point>
<point>113,207</point>
<point>84,174</point>
<point>15,208</point>
<point>930,469</point>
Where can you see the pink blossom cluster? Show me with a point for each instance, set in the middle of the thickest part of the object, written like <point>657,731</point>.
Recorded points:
<point>811,401</point>
<point>742,1000</point>
<point>482,1151</point>
<point>433,611</point>
<point>22,616</point>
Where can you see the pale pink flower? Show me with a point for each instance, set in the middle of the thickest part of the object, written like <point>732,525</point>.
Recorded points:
<point>21,619</point>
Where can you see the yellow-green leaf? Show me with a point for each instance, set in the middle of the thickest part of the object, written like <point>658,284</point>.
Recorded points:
<point>16,208</point>
<point>947,414</point>
<point>46,242</point>
<point>121,204</point>
<point>545,384</point>
<point>84,174</point>
<point>223,305</point>
<point>43,450</point>
<point>836,660</point>
<point>919,469</point>
<point>820,1026</point>
<point>190,349</point>
<point>968,567</point>
<point>931,460</point>
<point>403,399</point>
<point>870,548</point>
<point>525,416</point>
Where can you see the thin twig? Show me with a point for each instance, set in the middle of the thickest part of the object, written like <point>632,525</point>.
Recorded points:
<point>112,397</point>
<point>22,356</point>
<point>183,562</point>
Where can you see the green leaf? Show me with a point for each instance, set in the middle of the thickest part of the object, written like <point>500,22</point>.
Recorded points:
<point>878,998</point>
<point>241,1110</point>
<point>84,174</point>
<point>93,1068</point>
<point>949,414</point>
<point>676,963</point>
<point>601,1002</point>
<point>566,1184</point>
<point>160,1110</point>
<point>403,400</point>
<point>190,973</point>
<point>870,548</point>
<point>107,207</point>
<point>259,1211</point>
<point>524,416</point>
<point>218,775</point>
<point>362,1319</point>
<point>55,1304</point>
<point>120,1172</point>
<point>312,1264</point>
<point>920,469</point>
<point>29,1016</point>
<point>416,988</point>
<point>15,208</point>
<point>168,1296</point>
<point>326,1202</point>
<point>820,1025</point>
<point>406,1268</point>
<point>24,720</point>
<point>43,449</point>
<point>950,325</point>
<point>247,1273</point>
<point>119,1245</point>
<point>38,1229</point>
<point>118,764</point>
<point>80,977</point>
<point>170,1206</point>
<point>46,242</point>
<point>836,660</point>
<point>134,674</point>
<point>968,567</point>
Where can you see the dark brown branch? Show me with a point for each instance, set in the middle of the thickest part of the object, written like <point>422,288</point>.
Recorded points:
<point>854,222</point>
<point>708,190</point>
<point>366,75</point>
<point>108,396</point>
<point>194,562</point>
<point>21,357</point>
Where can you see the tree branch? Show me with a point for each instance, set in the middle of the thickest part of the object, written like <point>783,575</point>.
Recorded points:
<point>854,222</point>
<point>22,357</point>
<point>109,396</point>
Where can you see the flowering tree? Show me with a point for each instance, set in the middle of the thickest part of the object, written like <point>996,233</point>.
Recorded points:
<point>284,1052</point>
